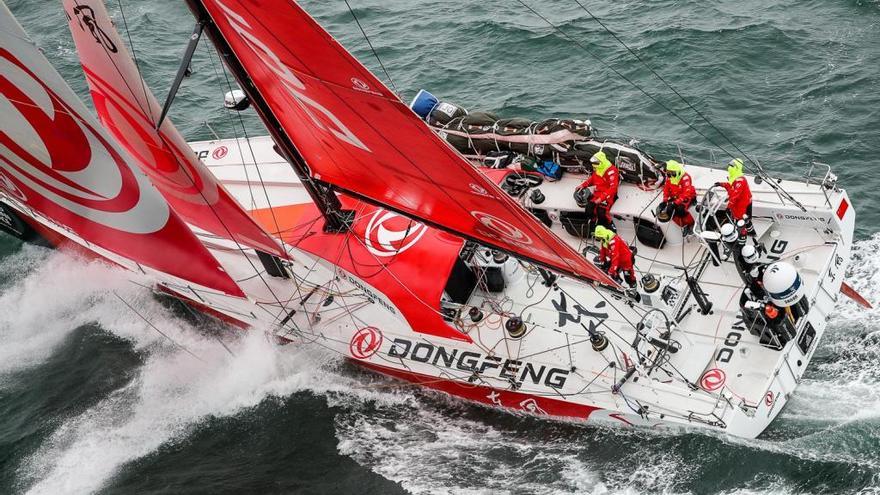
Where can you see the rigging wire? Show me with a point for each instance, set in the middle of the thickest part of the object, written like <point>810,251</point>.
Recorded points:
<point>758,169</point>
<point>668,85</point>
<point>202,194</point>
<point>134,56</point>
<point>154,327</point>
<point>375,53</point>
<point>619,74</point>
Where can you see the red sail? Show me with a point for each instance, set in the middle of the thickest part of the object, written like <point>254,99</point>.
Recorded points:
<point>355,134</point>
<point>129,111</point>
<point>56,159</point>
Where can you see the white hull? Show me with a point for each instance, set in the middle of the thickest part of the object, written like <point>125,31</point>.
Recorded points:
<point>553,369</point>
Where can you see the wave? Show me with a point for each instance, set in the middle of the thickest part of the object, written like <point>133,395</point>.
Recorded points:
<point>425,442</point>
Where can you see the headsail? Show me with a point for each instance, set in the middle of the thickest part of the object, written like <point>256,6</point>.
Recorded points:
<point>356,135</point>
<point>129,111</point>
<point>55,158</point>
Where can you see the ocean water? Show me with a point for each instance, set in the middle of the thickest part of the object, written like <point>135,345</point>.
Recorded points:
<point>92,400</point>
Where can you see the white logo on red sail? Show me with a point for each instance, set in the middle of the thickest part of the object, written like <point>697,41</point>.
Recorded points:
<point>365,342</point>
<point>713,379</point>
<point>479,189</point>
<point>48,148</point>
<point>501,229</point>
<point>389,234</point>
<point>320,116</point>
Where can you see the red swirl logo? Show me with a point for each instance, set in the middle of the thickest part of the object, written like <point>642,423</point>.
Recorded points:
<point>49,149</point>
<point>713,379</point>
<point>159,154</point>
<point>365,342</point>
<point>220,152</point>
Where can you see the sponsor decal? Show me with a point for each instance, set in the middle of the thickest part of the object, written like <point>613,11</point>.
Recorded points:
<point>531,406</point>
<point>769,398</point>
<point>320,116</point>
<point>565,316</point>
<point>494,396</point>
<point>626,165</point>
<point>86,17</point>
<point>219,152</point>
<point>806,339</point>
<point>365,342</point>
<point>359,85</point>
<point>516,371</point>
<point>479,189</point>
<point>373,296</point>
<point>713,379</point>
<point>798,218</point>
<point>389,234</point>
<point>68,162</point>
<point>731,340</point>
<point>841,210</point>
<point>499,229</point>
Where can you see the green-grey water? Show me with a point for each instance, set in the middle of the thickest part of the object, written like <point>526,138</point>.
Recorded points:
<point>93,400</point>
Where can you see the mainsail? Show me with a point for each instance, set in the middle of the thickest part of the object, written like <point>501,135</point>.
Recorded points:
<point>356,135</point>
<point>56,159</point>
<point>129,111</point>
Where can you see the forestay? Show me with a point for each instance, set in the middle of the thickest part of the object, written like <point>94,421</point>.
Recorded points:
<point>129,111</point>
<point>356,135</point>
<point>56,159</point>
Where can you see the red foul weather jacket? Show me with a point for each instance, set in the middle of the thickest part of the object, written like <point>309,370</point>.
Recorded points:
<point>739,197</point>
<point>619,254</point>
<point>606,186</point>
<point>682,193</point>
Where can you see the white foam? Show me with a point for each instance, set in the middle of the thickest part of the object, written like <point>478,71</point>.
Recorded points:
<point>45,296</point>
<point>425,448</point>
<point>172,391</point>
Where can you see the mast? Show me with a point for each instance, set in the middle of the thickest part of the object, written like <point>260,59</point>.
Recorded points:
<point>322,194</point>
<point>318,103</point>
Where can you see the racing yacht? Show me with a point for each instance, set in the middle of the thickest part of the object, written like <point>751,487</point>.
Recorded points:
<point>359,225</point>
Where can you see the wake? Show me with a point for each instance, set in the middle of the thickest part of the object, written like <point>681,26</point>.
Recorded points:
<point>429,448</point>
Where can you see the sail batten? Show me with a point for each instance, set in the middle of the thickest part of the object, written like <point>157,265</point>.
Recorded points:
<point>128,109</point>
<point>356,135</point>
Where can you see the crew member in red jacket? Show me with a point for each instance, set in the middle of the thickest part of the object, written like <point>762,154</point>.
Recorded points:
<point>605,179</point>
<point>615,256</point>
<point>739,196</point>
<point>678,195</point>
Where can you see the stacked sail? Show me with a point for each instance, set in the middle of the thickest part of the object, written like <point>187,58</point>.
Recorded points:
<point>57,160</point>
<point>128,109</point>
<point>356,135</point>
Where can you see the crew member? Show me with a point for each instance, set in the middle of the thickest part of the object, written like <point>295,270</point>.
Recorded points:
<point>678,195</point>
<point>739,196</point>
<point>605,180</point>
<point>615,256</point>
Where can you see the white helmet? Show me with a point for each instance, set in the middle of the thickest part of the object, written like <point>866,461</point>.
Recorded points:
<point>750,254</point>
